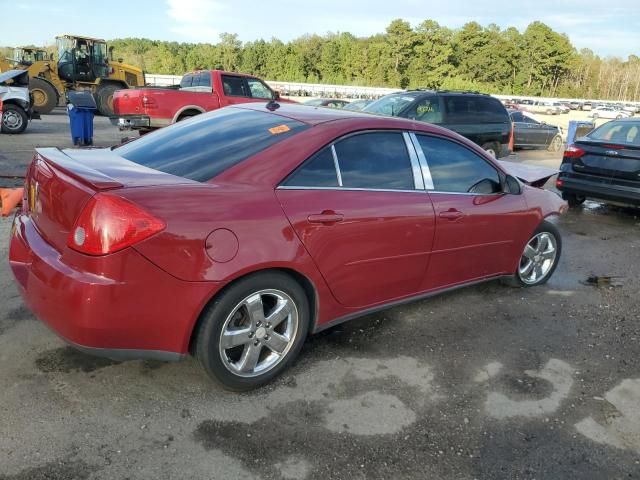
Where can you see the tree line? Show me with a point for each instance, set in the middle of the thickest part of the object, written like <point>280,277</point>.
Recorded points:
<point>537,62</point>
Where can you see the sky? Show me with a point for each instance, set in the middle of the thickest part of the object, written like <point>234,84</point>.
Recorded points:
<point>607,27</point>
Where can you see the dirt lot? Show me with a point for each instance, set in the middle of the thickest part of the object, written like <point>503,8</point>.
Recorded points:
<point>484,383</point>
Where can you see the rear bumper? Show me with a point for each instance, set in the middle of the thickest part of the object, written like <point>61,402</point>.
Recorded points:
<point>121,306</point>
<point>138,122</point>
<point>604,189</point>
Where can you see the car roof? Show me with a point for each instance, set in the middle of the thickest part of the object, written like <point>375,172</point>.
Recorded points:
<point>312,115</point>
<point>360,120</point>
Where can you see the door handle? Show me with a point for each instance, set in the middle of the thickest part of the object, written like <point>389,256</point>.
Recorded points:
<point>451,214</point>
<point>327,217</point>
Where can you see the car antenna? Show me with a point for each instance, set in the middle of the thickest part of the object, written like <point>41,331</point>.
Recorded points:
<point>273,105</point>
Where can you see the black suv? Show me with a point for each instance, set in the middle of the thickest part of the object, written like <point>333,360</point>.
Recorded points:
<point>479,117</point>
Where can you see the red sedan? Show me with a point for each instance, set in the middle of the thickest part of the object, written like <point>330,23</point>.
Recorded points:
<point>235,234</point>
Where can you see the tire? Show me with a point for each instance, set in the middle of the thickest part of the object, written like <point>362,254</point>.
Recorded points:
<point>104,98</point>
<point>14,119</point>
<point>573,200</point>
<point>556,144</point>
<point>539,259</point>
<point>491,149</point>
<point>549,112</point>
<point>230,364</point>
<point>45,95</point>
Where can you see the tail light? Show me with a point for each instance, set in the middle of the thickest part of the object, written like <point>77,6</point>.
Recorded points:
<point>573,151</point>
<point>109,223</point>
<point>149,102</point>
<point>511,139</point>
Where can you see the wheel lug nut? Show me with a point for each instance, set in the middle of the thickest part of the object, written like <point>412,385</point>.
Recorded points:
<point>268,325</point>
<point>256,342</point>
<point>266,337</point>
<point>251,334</point>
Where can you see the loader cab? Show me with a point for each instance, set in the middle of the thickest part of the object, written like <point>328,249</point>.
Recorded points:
<point>27,56</point>
<point>82,59</point>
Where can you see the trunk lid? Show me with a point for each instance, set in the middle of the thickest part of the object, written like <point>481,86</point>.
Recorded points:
<point>608,159</point>
<point>60,182</point>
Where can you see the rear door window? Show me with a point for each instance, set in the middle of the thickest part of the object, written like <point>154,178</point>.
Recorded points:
<point>187,81</point>
<point>517,117</point>
<point>234,86</point>
<point>206,145</point>
<point>318,171</point>
<point>376,160</point>
<point>457,169</point>
<point>205,79</point>
<point>474,109</point>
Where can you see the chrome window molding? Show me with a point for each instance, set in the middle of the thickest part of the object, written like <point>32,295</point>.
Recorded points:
<point>424,165</point>
<point>336,164</point>
<point>418,176</point>
<point>344,189</point>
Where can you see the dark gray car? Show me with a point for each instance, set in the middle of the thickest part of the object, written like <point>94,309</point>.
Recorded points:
<point>531,133</point>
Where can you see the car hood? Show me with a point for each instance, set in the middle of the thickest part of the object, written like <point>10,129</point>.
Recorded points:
<point>14,75</point>
<point>533,175</point>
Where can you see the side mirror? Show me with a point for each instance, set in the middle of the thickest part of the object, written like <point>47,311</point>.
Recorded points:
<point>511,185</point>
<point>111,54</point>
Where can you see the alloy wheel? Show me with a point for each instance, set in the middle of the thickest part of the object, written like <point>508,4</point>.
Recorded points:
<point>12,120</point>
<point>258,333</point>
<point>538,258</point>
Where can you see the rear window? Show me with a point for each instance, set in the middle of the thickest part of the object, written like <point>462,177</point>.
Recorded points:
<point>618,132</point>
<point>206,145</point>
<point>474,109</point>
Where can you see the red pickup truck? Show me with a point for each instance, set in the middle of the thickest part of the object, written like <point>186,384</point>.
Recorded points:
<point>147,108</point>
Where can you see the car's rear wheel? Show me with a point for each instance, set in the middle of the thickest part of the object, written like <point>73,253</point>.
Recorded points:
<point>253,330</point>
<point>573,200</point>
<point>556,144</point>
<point>539,258</point>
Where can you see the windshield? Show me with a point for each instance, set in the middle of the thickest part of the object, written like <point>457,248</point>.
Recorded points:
<point>201,148</point>
<point>65,49</point>
<point>390,104</point>
<point>617,132</point>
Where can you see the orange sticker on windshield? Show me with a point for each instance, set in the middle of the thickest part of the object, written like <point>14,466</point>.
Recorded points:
<point>279,129</point>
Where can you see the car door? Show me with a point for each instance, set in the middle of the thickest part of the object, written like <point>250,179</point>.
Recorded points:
<point>235,89</point>
<point>476,223</point>
<point>361,211</point>
<point>537,132</point>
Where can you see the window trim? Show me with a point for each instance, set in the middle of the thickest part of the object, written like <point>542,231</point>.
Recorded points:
<point>416,171</point>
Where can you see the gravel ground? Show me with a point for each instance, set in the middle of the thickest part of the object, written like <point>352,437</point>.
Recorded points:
<point>483,383</point>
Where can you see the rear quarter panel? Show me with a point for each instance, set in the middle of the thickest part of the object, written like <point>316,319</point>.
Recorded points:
<point>265,238</point>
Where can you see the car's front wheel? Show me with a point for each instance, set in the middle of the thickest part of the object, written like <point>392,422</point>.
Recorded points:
<point>254,330</point>
<point>539,258</point>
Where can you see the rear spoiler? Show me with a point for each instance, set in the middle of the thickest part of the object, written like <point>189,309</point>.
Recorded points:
<point>530,174</point>
<point>76,170</point>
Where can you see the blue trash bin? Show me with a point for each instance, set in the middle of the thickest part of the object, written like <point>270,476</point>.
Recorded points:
<point>81,109</point>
